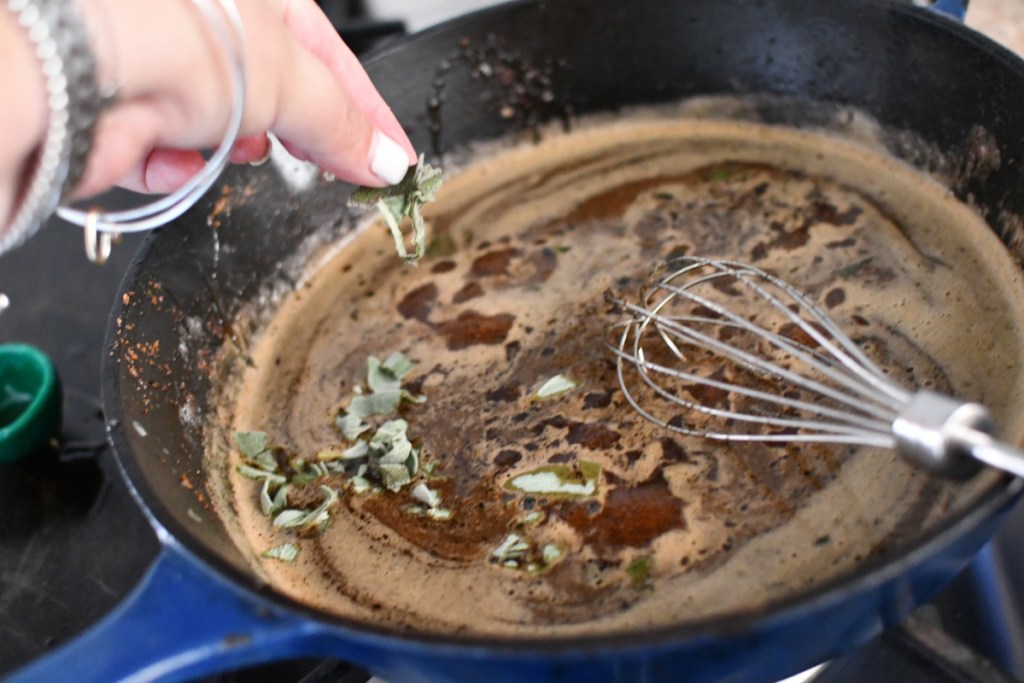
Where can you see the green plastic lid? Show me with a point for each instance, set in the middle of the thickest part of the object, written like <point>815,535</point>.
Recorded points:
<point>30,401</point>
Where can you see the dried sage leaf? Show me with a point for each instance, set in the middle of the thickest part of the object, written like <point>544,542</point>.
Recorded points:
<point>351,426</point>
<point>512,548</point>
<point>401,201</point>
<point>377,403</point>
<point>425,495</point>
<point>558,480</point>
<point>557,385</point>
<point>251,444</point>
<point>286,552</point>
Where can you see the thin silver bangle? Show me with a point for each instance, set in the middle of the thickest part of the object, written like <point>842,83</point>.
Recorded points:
<point>61,44</point>
<point>100,226</point>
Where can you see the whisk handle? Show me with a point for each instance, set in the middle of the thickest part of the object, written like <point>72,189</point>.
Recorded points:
<point>951,437</point>
<point>984,448</point>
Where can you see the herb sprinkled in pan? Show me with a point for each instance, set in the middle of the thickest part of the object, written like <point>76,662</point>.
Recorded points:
<point>401,201</point>
<point>380,456</point>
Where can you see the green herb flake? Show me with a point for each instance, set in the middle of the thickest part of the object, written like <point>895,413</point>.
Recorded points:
<point>351,426</point>
<point>387,376</point>
<point>251,444</point>
<point>260,475</point>
<point>401,201</point>
<point>378,403</point>
<point>550,553</point>
<point>425,495</point>
<point>852,269</point>
<point>286,552</point>
<point>639,571</point>
<point>581,481</point>
<point>513,548</point>
<point>534,517</point>
<point>254,447</point>
<point>308,520</point>
<point>354,452</point>
<point>440,514</point>
<point>719,173</point>
<point>360,484</point>
<point>391,457</point>
<point>557,385</point>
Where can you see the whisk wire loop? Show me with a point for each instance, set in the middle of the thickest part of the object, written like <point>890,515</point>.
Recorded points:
<point>766,364</point>
<point>846,358</point>
<point>849,355</point>
<point>848,424</point>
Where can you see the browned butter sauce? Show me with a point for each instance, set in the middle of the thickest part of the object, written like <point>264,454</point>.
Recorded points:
<point>524,243</point>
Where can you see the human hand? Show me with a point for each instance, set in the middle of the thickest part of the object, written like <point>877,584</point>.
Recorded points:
<point>173,85</point>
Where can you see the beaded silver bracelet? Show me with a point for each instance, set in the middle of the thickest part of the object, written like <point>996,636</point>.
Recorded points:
<point>61,44</point>
<point>100,226</point>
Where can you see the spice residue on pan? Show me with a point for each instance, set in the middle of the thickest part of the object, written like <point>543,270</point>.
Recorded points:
<point>568,512</point>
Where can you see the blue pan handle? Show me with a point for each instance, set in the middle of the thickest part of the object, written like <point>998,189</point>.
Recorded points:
<point>181,622</point>
<point>956,9</point>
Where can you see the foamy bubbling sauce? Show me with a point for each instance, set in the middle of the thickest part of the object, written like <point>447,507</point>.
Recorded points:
<point>524,244</point>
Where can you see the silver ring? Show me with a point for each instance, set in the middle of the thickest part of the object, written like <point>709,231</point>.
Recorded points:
<point>163,210</point>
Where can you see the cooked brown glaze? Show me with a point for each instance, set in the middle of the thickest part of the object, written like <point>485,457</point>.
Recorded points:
<point>525,244</point>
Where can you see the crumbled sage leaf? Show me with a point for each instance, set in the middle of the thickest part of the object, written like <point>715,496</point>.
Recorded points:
<point>303,478</point>
<point>280,501</point>
<point>392,458</point>
<point>426,496</point>
<point>559,480</point>
<point>720,173</point>
<point>360,484</point>
<point>266,502</point>
<point>286,552</point>
<point>512,548</point>
<point>307,520</point>
<point>387,376</point>
<point>401,201</point>
<point>254,473</point>
<point>377,403</point>
<point>351,426</point>
<point>852,269</point>
<point>550,553</point>
<point>251,444</point>
<point>335,467</point>
<point>534,517</point>
<point>557,385</point>
<point>358,450</point>
<point>440,514</point>
<point>639,571</point>
<point>254,447</point>
<point>290,518</point>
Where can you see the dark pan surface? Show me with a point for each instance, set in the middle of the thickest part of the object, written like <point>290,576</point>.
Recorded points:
<point>180,300</point>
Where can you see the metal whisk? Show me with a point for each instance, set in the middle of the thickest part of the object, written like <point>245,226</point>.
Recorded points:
<point>747,357</point>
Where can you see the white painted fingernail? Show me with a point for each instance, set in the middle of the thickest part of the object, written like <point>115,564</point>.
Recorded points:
<point>390,162</point>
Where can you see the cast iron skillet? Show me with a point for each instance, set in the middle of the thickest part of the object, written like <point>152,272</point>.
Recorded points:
<point>200,609</point>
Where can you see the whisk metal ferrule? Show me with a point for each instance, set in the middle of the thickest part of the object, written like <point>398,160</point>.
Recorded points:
<point>930,431</point>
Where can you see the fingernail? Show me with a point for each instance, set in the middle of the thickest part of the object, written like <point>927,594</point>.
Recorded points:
<point>389,161</point>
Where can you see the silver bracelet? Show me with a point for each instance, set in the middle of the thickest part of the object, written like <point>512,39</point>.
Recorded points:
<point>100,227</point>
<point>61,44</point>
